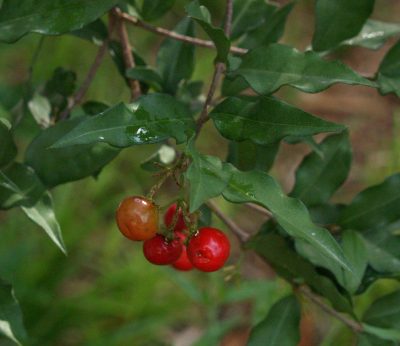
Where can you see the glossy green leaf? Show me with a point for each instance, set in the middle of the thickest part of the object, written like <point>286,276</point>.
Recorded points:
<point>146,75</point>
<point>43,215</point>
<point>385,312</point>
<point>389,334</point>
<point>8,149</point>
<point>58,166</point>
<point>266,120</point>
<point>317,178</point>
<point>202,16</point>
<point>374,207</point>
<point>309,140</point>
<point>266,69</point>
<point>19,185</point>
<point>19,17</point>
<point>11,324</point>
<point>40,108</point>
<point>388,73</point>
<point>94,107</point>
<point>290,265</point>
<point>280,327</point>
<point>339,20</point>
<point>154,118</point>
<point>271,30</point>
<point>95,32</point>
<point>153,9</point>
<point>374,34</point>
<point>371,340</point>
<point>175,59</point>
<point>247,156</point>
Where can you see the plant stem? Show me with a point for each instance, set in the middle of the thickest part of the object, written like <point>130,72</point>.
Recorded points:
<point>260,209</point>
<point>352,324</point>
<point>236,230</point>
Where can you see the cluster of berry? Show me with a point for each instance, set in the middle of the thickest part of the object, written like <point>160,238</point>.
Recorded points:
<point>205,249</point>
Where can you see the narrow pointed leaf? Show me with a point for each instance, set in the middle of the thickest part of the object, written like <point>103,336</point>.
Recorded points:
<point>19,185</point>
<point>374,207</point>
<point>266,69</point>
<point>19,17</point>
<point>266,120</point>
<point>202,16</point>
<point>11,324</point>
<point>42,214</point>
<point>339,20</point>
<point>175,59</point>
<point>157,117</point>
<point>317,178</point>
<point>8,149</point>
<point>280,327</point>
<point>388,73</point>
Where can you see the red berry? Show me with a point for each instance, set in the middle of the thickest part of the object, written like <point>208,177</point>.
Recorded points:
<point>169,218</point>
<point>159,250</point>
<point>209,249</point>
<point>182,263</point>
<point>137,218</point>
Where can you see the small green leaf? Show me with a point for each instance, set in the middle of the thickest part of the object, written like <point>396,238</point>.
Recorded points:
<point>317,178</point>
<point>19,185</point>
<point>146,75</point>
<point>266,120</point>
<point>11,324</point>
<point>388,73</point>
<point>58,166</point>
<point>153,9</point>
<point>374,34</point>
<point>43,215</point>
<point>19,17</point>
<point>280,327</point>
<point>374,207</point>
<point>339,20</point>
<point>202,16</point>
<point>276,250</point>
<point>175,59</point>
<point>156,118</point>
<point>40,108</point>
<point>266,69</point>
<point>8,149</point>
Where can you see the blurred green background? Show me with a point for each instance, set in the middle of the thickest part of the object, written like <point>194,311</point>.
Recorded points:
<point>104,292</point>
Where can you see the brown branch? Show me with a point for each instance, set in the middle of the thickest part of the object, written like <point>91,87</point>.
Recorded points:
<point>236,230</point>
<point>228,19</point>
<point>260,209</point>
<point>128,57</point>
<point>171,34</point>
<point>352,324</point>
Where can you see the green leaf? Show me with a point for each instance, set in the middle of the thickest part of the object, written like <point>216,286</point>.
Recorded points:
<point>40,108</point>
<point>271,30</point>
<point>266,69</point>
<point>19,185</point>
<point>374,207</point>
<point>290,213</point>
<point>266,120</point>
<point>385,312</point>
<point>290,265</point>
<point>382,333</point>
<point>175,59</point>
<point>43,215</point>
<point>247,156</point>
<point>208,177</point>
<point>94,107</point>
<point>19,17</point>
<point>95,32</point>
<point>146,75</point>
<point>374,34</point>
<point>371,340</point>
<point>388,73</point>
<point>8,149</point>
<point>280,327</point>
<point>153,9</point>
<point>163,157</point>
<point>58,166</point>
<point>156,118</point>
<point>202,16</point>
<point>339,20</point>
<point>317,178</point>
<point>11,324</point>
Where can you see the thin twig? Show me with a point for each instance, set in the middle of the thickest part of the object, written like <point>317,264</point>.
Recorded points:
<point>129,59</point>
<point>261,210</point>
<point>240,233</point>
<point>171,34</point>
<point>228,17</point>
<point>354,325</point>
